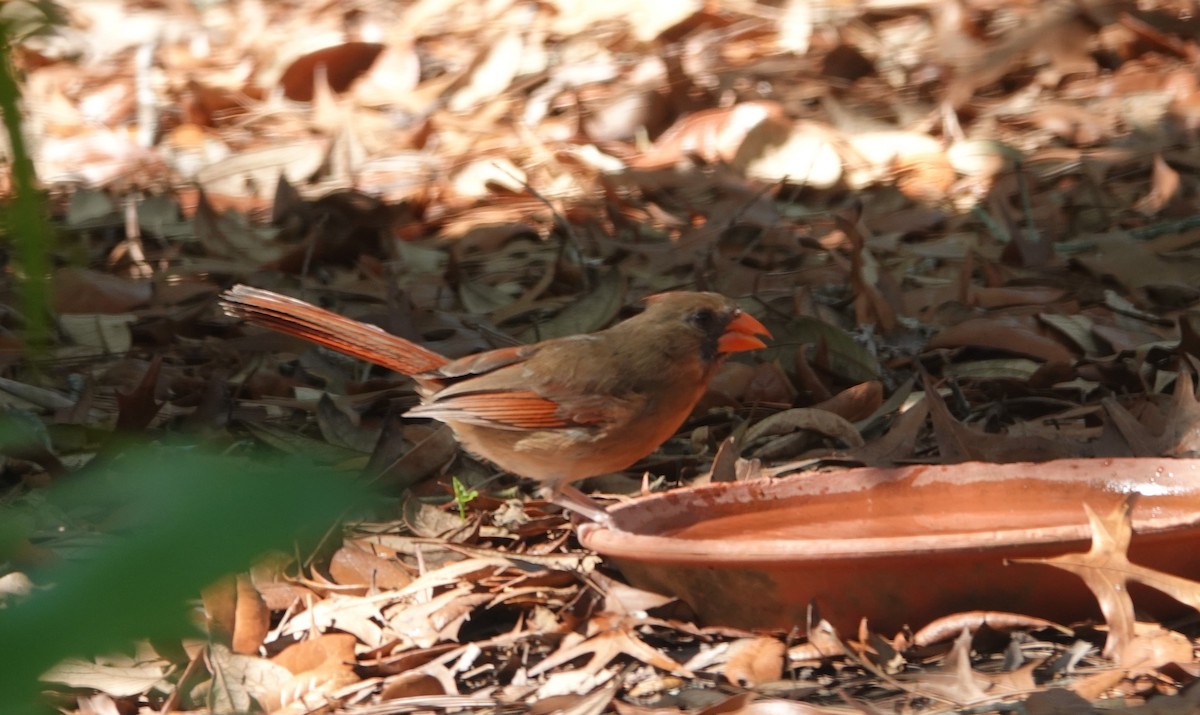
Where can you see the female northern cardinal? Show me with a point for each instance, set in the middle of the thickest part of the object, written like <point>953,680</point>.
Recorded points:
<point>555,411</point>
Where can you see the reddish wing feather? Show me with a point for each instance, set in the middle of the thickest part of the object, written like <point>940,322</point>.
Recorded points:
<point>506,410</point>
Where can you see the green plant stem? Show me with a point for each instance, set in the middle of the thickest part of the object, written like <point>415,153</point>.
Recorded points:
<point>26,222</point>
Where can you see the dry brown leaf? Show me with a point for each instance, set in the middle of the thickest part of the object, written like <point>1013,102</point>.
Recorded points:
<point>959,443</point>
<point>119,680</point>
<point>1132,264</point>
<point>877,301</point>
<point>711,134</point>
<point>899,442</point>
<point>800,153</point>
<point>1106,570</point>
<point>252,620</point>
<point>759,705</point>
<point>438,619</point>
<point>392,77</point>
<point>956,681</point>
<point>410,684</point>
<point>622,599</point>
<point>354,565</point>
<point>591,696</point>
<point>602,648</point>
<point>754,661</point>
<point>339,66</point>
<point>646,21</point>
<point>988,297</point>
<point>1154,646</point>
<point>255,172</point>
<point>327,649</point>
<point>1006,333</point>
<point>1058,701</point>
<point>805,418</point>
<point>239,680</point>
<point>492,72</point>
<point>220,605</point>
<point>78,290</point>
<point>770,384</point>
<point>312,688</point>
<point>99,158</point>
<point>855,403</point>
<point>1179,433</point>
<point>358,616</point>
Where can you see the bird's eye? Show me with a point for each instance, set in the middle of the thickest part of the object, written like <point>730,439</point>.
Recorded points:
<point>704,319</point>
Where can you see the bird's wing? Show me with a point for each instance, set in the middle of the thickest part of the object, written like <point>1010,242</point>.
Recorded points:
<point>529,410</point>
<point>541,386</point>
<point>481,363</point>
<point>518,410</point>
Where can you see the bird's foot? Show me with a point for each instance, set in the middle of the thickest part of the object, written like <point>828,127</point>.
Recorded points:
<point>568,497</point>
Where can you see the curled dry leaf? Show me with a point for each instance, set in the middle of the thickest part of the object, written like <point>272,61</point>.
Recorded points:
<point>253,620</point>
<point>1007,333</point>
<point>855,403</point>
<point>236,611</point>
<point>806,418</point>
<point>951,626</point>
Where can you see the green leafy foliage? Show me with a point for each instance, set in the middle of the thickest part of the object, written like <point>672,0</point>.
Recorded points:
<point>463,495</point>
<point>24,219</point>
<point>175,519</point>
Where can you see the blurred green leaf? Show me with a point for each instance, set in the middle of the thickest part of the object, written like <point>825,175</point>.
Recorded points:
<point>24,217</point>
<point>185,518</point>
<point>28,18</point>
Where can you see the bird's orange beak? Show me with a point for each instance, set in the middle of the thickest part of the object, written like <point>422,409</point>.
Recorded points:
<point>741,334</point>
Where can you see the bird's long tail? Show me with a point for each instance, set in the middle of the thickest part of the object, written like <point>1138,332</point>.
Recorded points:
<point>304,320</point>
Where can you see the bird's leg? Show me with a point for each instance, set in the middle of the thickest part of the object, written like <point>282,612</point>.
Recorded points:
<point>568,497</point>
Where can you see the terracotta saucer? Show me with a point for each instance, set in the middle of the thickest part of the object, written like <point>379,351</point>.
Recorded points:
<point>901,546</point>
